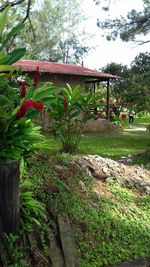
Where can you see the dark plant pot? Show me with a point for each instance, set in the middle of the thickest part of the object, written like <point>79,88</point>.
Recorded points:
<point>9,196</point>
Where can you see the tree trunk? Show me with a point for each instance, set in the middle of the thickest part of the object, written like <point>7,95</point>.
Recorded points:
<point>9,196</point>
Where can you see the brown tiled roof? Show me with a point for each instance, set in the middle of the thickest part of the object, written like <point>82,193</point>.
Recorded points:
<point>61,68</point>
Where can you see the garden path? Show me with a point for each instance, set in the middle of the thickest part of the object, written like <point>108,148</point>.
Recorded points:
<point>135,127</point>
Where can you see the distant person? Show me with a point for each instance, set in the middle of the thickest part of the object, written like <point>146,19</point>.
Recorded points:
<point>131,117</point>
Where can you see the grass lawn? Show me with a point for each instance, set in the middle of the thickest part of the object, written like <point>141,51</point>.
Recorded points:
<point>143,120</point>
<point>113,145</point>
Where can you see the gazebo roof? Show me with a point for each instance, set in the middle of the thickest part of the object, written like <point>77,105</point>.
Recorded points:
<point>62,68</point>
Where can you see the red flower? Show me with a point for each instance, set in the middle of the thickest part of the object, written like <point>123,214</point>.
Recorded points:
<point>23,89</point>
<point>20,113</point>
<point>65,103</point>
<point>23,86</point>
<point>36,77</point>
<point>26,106</point>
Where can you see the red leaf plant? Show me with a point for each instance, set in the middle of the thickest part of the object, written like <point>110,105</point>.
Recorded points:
<point>23,86</point>
<point>26,106</point>
<point>65,103</point>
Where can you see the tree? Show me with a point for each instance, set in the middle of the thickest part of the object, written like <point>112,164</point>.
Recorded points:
<point>119,89</point>
<point>131,89</point>
<point>141,76</point>
<point>57,34</point>
<point>4,4</point>
<point>23,6</point>
<point>19,13</point>
<point>141,63</point>
<point>131,27</point>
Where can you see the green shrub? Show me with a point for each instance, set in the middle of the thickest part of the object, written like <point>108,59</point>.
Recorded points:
<point>70,110</point>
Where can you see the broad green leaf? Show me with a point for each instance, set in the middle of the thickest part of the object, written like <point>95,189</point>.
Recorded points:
<point>4,75</point>
<point>40,95</point>
<point>76,94</point>
<point>29,93</point>
<point>2,53</point>
<point>74,115</point>
<point>32,113</point>
<point>12,33</point>
<point>27,195</point>
<point>89,97</point>
<point>4,68</point>
<point>69,89</point>
<point>46,88</point>
<point>3,58</point>
<point>66,93</point>
<point>36,221</point>
<point>3,20</point>
<point>4,99</point>
<point>25,184</point>
<point>48,101</point>
<point>15,55</point>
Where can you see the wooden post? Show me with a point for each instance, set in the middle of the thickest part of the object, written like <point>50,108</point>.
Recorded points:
<point>94,89</point>
<point>67,241</point>
<point>9,196</point>
<point>107,109</point>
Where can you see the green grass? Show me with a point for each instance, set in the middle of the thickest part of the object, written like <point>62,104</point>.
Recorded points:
<point>108,229</point>
<point>113,145</point>
<point>143,120</point>
<point>118,229</point>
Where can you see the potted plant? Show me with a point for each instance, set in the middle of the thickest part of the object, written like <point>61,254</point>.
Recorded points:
<point>19,135</point>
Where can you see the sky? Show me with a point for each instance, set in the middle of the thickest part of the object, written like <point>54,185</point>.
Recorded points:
<point>110,51</point>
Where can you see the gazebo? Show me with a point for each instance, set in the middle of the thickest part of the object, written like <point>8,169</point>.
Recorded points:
<point>61,73</point>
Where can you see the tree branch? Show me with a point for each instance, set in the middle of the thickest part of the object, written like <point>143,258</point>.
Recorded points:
<point>27,16</point>
<point>141,42</point>
<point>11,4</point>
<point>27,11</point>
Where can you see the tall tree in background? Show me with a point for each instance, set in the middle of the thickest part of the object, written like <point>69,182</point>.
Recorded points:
<point>19,13</point>
<point>130,28</point>
<point>57,32</point>
<point>132,87</point>
<point>120,89</point>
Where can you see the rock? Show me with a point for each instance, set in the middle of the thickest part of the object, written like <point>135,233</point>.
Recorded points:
<point>99,125</point>
<point>147,190</point>
<point>107,170</point>
<point>82,185</point>
<point>100,175</point>
<point>59,167</point>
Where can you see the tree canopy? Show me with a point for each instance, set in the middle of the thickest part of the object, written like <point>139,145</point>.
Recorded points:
<point>132,89</point>
<point>21,4</point>
<point>131,28</point>
<point>53,32</point>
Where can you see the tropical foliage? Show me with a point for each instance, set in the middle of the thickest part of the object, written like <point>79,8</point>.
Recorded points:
<point>19,135</point>
<point>132,89</point>
<point>69,112</point>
